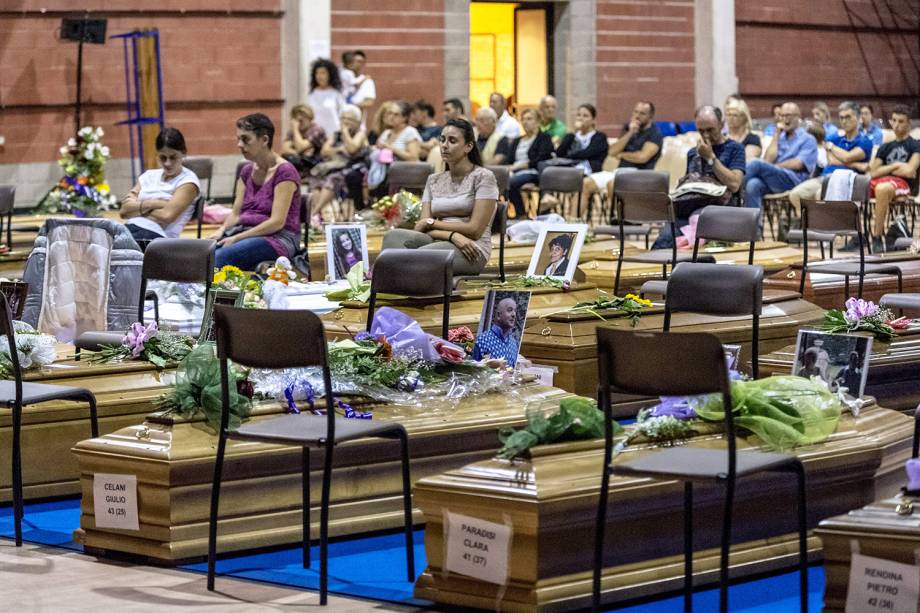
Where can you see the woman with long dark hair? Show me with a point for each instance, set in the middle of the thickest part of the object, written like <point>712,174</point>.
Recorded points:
<point>457,206</point>
<point>162,201</point>
<point>325,97</point>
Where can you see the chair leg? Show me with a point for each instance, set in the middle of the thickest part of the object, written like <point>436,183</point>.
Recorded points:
<point>688,546</point>
<point>846,287</point>
<point>726,545</point>
<point>324,526</point>
<point>305,485</point>
<point>93,415</point>
<point>600,528</point>
<point>859,293</point>
<point>900,282</point>
<point>215,504</point>
<point>17,474</point>
<point>803,536</point>
<point>407,506</point>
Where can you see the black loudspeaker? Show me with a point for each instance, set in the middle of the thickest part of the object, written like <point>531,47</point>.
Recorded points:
<point>83,30</point>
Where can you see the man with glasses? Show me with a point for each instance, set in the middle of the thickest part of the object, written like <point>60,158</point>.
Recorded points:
<point>846,150</point>
<point>789,160</point>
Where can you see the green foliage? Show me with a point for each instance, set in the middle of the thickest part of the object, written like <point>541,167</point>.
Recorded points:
<point>578,418</point>
<point>197,389</point>
<point>630,305</point>
<point>835,321</point>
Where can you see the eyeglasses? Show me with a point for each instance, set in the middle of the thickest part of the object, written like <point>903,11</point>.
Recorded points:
<point>789,115</point>
<point>846,117</point>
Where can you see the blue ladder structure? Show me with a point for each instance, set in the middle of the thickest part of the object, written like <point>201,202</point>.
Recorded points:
<point>136,120</point>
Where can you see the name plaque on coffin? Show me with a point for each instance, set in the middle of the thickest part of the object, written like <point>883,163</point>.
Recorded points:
<point>569,341</point>
<point>173,461</point>
<point>551,503</point>
<point>125,393</point>
<point>771,256</point>
<point>893,369</point>
<point>827,291</point>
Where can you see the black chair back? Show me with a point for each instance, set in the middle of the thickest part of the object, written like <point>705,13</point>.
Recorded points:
<point>829,216</point>
<point>642,195</point>
<point>203,167</point>
<point>181,260</point>
<point>716,289</point>
<point>503,179</point>
<point>276,339</point>
<point>728,223</point>
<point>561,179</point>
<point>410,176</point>
<point>500,226</point>
<point>419,273</point>
<point>6,329</point>
<point>7,202</point>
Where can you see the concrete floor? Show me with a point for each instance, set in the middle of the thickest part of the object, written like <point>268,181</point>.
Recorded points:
<point>36,579</point>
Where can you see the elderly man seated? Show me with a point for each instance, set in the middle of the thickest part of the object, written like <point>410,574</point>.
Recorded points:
<point>789,160</point>
<point>492,144</point>
<point>551,124</point>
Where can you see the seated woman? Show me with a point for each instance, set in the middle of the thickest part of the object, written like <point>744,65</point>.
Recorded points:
<point>738,119</point>
<point>343,153</point>
<point>163,200</point>
<point>527,151</point>
<point>457,206</point>
<point>398,141</point>
<point>586,145</point>
<point>265,220</point>
<point>302,144</point>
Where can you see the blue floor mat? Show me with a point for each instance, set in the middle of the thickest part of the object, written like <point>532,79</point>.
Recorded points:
<point>351,562</point>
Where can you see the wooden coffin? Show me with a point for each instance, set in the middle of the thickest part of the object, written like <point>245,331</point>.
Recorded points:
<point>827,291</point>
<point>772,256</point>
<point>551,502</point>
<point>894,370</point>
<point>569,342</point>
<point>877,530</point>
<point>125,392</point>
<point>465,309</point>
<point>173,460</point>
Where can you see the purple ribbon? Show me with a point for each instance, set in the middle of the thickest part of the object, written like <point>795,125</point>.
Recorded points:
<point>310,393</point>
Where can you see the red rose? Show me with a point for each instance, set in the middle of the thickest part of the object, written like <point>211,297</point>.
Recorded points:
<point>449,354</point>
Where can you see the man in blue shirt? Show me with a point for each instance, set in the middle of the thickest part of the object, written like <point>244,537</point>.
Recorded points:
<point>716,156</point>
<point>499,340</point>
<point>789,160</point>
<point>847,150</point>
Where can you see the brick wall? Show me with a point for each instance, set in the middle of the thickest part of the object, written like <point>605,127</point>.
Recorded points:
<point>220,58</point>
<point>645,50</point>
<point>829,50</point>
<point>404,43</point>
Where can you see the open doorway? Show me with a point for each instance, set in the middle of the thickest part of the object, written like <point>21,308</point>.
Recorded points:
<point>510,51</point>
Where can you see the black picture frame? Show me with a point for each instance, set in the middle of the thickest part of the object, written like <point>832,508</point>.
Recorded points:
<point>216,296</point>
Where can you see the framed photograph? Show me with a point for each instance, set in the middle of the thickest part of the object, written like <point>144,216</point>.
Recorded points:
<point>841,360</point>
<point>346,245</point>
<point>556,251</point>
<point>216,296</point>
<point>15,292</point>
<point>501,325</point>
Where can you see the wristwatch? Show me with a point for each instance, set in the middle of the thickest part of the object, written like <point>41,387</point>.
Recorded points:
<point>430,221</point>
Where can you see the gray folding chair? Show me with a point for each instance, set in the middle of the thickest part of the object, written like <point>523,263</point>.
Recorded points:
<point>502,178</point>
<point>714,289</point>
<point>410,176</point>
<point>631,362</point>
<point>261,338</point>
<point>16,394</point>
<point>859,194</point>
<point>642,196</point>
<point>203,167</point>
<point>417,273</point>
<point>840,217</point>
<point>562,182</point>
<point>717,223</point>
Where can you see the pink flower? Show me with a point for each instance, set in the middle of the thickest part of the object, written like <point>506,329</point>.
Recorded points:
<point>857,309</point>
<point>460,335</point>
<point>448,354</point>
<point>137,336</point>
<point>900,323</point>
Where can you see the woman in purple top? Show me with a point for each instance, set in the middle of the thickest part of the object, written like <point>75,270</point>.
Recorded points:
<point>265,221</point>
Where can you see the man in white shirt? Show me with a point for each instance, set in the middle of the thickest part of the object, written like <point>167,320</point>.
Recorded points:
<point>507,125</point>
<point>365,90</point>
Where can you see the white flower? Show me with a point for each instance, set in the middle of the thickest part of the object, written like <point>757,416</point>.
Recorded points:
<point>105,151</point>
<point>85,131</point>
<point>64,150</point>
<point>88,155</point>
<point>99,133</point>
<point>71,142</point>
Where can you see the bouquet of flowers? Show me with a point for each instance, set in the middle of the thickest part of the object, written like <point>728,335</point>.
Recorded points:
<point>234,279</point>
<point>629,305</point>
<point>866,316</point>
<point>33,349</point>
<point>463,337</point>
<point>522,282</point>
<point>83,190</point>
<point>149,343</point>
<point>401,209</point>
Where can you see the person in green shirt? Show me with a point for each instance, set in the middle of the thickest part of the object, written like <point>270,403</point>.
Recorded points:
<point>555,128</point>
